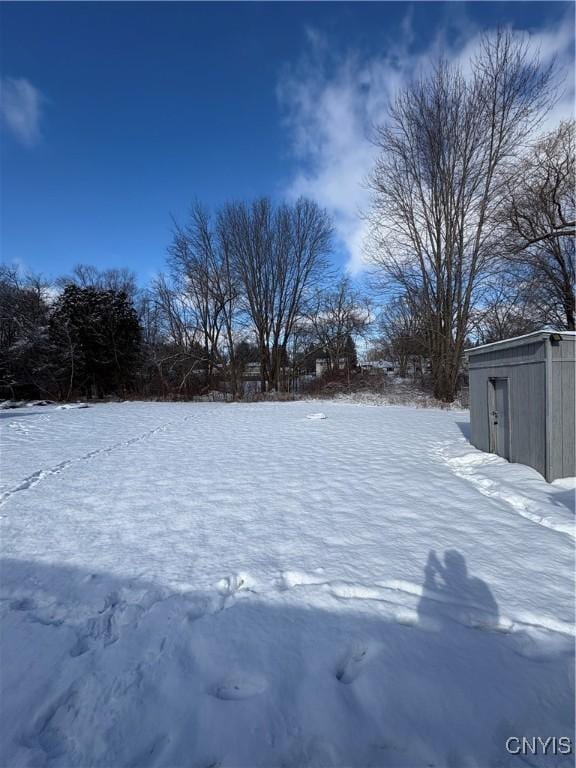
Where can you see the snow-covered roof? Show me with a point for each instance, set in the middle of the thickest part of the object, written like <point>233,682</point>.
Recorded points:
<point>514,340</point>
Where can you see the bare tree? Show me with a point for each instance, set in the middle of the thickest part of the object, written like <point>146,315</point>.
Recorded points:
<point>402,334</point>
<point>227,291</point>
<point>509,307</point>
<point>193,263</point>
<point>336,317</point>
<point>200,257</point>
<point>437,186</point>
<point>161,356</point>
<point>278,254</point>
<point>249,236</point>
<point>114,279</point>
<point>178,354</point>
<point>539,215</point>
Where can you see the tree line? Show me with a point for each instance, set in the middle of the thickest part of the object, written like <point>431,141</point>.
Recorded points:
<point>471,239</point>
<point>248,284</point>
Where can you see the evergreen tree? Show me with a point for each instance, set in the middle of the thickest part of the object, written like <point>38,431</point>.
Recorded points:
<point>350,352</point>
<point>96,336</point>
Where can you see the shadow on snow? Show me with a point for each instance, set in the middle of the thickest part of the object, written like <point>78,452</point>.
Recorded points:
<point>464,427</point>
<point>104,671</point>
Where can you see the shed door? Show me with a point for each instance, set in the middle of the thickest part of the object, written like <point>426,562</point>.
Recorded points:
<point>499,418</point>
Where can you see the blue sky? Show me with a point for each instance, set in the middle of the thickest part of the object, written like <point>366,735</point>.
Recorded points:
<point>117,115</point>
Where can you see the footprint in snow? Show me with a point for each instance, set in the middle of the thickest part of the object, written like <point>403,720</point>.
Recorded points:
<point>237,688</point>
<point>101,630</point>
<point>198,608</point>
<point>353,663</point>
<point>52,728</point>
<point>151,753</point>
<point>23,604</point>
<point>232,584</point>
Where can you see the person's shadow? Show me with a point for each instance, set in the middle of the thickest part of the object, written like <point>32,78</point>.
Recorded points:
<point>449,594</point>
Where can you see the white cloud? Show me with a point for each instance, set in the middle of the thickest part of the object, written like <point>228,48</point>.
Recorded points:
<point>21,109</point>
<point>330,104</point>
<point>556,45</point>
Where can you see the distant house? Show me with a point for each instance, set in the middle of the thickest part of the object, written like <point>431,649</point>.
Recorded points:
<point>374,366</point>
<point>250,378</point>
<point>522,400</point>
<point>290,380</point>
<point>323,364</point>
<point>251,371</point>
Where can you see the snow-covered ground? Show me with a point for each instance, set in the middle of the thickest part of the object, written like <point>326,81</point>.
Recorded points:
<point>207,585</point>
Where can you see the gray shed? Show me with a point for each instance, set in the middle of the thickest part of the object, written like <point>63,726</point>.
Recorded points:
<point>522,400</point>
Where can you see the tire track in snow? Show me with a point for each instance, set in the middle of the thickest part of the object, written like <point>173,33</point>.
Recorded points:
<point>41,474</point>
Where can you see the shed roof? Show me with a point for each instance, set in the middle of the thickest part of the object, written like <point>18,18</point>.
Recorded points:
<point>518,341</point>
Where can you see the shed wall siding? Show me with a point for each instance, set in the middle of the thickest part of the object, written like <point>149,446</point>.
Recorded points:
<point>525,366</point>
<point>527,385</point>
<point>563,379</point>
<point>527,353</point>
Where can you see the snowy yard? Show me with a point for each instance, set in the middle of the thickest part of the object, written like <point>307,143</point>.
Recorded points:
<point>208,585</point>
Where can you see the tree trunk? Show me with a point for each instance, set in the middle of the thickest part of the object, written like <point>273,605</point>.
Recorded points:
<point>570,309</point>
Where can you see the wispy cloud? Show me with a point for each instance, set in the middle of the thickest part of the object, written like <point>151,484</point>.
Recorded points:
<point>330,104</point>
<point>21,109</point>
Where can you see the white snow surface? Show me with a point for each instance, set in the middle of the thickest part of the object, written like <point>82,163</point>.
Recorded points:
<point>241,585</point>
